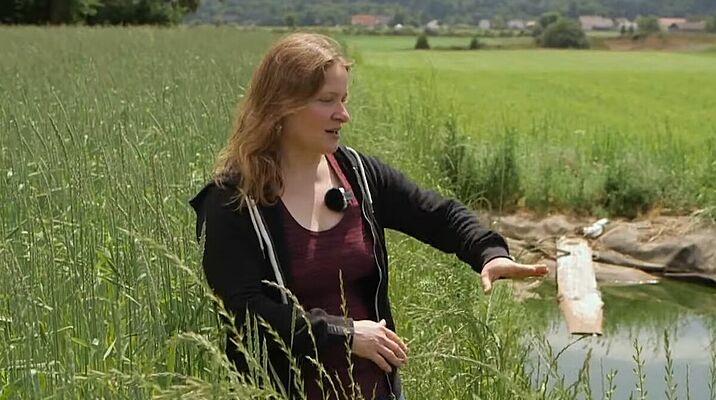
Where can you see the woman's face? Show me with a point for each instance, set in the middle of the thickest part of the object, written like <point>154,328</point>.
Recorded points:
<point>316,127</point>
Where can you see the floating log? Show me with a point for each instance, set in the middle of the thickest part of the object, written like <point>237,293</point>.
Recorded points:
<point>577,292</point>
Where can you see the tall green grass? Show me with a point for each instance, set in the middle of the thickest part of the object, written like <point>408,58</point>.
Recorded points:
<point>106,133</point>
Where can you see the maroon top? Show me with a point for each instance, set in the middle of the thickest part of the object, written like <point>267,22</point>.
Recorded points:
<point>317,258</point>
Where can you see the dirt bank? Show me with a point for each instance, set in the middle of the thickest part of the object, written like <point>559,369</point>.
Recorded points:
<point>626,252</point>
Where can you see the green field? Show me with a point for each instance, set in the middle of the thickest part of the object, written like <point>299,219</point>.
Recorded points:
<point>644,119</point>
<point>397,43</point>
<point>106,133</point>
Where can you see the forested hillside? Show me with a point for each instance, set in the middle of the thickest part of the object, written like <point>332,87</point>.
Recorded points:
<point>330,12</point>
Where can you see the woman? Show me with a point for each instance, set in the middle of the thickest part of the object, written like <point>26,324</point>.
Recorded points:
<point>292,208</point>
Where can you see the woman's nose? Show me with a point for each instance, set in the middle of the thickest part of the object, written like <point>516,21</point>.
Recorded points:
<point>342,113</point>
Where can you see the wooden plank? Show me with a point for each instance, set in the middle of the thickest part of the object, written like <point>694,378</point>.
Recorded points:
<point>577,292</point>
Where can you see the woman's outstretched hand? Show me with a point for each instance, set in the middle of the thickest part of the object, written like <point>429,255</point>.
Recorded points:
<point>372,340</point>
<point>505,268</point>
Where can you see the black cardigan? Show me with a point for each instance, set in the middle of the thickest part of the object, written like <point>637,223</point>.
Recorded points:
<point>235,266</point>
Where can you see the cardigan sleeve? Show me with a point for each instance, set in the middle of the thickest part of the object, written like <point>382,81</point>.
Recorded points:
<point>441,222</point>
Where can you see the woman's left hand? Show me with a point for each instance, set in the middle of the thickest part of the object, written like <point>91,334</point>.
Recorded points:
<point>503,267</point>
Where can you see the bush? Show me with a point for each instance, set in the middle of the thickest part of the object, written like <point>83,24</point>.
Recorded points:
<point>544,21</point>
<point>422,43</point>
<point>474,44</point>
<point>711,24</point>
<point>648,24</point>
<point>548,19</point>
<point>627,192</point>
<point>564,33</point>
<point>480,176</point>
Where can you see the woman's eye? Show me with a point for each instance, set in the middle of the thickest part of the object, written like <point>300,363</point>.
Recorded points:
<point>325,100</point>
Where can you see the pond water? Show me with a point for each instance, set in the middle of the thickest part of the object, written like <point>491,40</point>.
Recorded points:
<point>685,311</point>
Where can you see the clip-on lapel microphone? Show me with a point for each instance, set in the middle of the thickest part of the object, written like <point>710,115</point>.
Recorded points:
<point>337,199</point>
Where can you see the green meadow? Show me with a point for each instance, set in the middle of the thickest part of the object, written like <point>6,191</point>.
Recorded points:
<point>579,119</point>
<point>106,133</point>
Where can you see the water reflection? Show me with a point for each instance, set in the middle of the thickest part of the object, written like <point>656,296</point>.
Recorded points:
<point>687,312</point>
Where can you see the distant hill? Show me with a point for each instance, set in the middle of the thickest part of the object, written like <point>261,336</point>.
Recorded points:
<point>332,12</point>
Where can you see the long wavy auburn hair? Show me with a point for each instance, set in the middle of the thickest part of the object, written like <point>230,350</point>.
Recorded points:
<point>289,75</point>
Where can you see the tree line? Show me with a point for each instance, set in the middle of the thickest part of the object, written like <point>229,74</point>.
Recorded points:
<point>419,12</point>
<point>94,12</point>
<point>328,12</point>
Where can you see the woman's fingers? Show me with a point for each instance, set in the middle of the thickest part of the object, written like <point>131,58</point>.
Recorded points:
<point>388,355</point>
<point>394,342</point>
<point>395,338</point>
<point>396,351</point>
<point>380,362</point>
<point>486,282</point>
<point>373,341</point>
<point>505,268</point>
<point>524,270</point>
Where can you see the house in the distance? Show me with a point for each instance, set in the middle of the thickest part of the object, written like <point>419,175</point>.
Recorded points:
<point>484,24</point>
<point>371,21</point>
<point>695,26</point>
<point>687,26</point>
<point>433,26</point>
<point>516,24</point>
<point>624,23</point>
<point>596,23</point>
<point>670,24</point>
